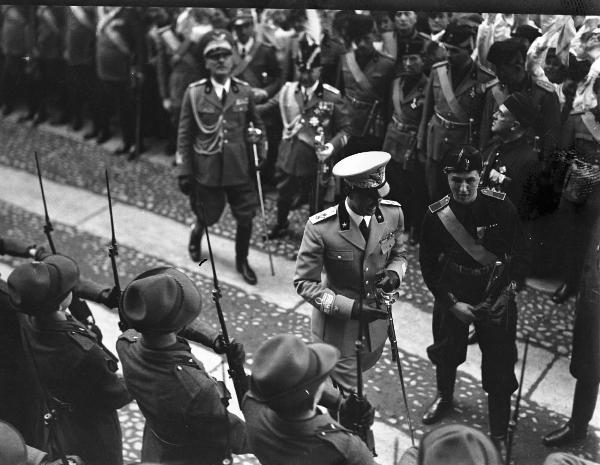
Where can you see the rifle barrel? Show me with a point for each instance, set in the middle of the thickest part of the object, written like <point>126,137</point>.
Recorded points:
<point>48,228</point>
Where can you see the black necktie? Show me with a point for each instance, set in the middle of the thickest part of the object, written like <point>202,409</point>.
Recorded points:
<point>243,54</point>
<point>305,95</point>
<point>364,229</point>
<point>223,96</point>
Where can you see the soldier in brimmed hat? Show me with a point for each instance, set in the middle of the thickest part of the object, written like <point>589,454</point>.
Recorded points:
<point>308,108</point>
<point>468,240</point>
<point>454,102</point>
<point>214,143</point>
<point>358,244</point>
<point>186,421</point>
<point>365,79</point>
<point>289,379</point>
<point>67,364</point>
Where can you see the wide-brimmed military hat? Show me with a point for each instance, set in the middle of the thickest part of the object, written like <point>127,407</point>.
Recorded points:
<point>160,300</point>
<point>287,371</point>
<point>38,287</point>
<point>12,445</point>
<point>365,170</point>
<point>463,159</point>
<point>216,41</point>
<point>453,444</point>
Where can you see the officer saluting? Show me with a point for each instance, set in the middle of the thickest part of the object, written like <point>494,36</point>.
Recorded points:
<point>307,107</point>
<point>471,248</point>
<point>358,244</point>
<point>213,145</point>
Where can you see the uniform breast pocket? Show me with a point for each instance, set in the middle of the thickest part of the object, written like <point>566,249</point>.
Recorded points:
<point>240,108</point>
<point>387,245</point>
<point>342,255</point>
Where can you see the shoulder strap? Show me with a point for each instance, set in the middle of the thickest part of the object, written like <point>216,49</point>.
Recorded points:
<point>397,95</point>
<point>446,85</point>
<point>464,239</point>
<point>286,97</point>
<point>592,125</point>
<point>358,75</point>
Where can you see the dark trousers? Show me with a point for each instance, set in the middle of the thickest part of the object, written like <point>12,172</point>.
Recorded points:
<point>498,350</point>
<point>83,91</point>
<point>12,80</point>
<point>208,203</point>
<point>584,403</point>
<point>119,96</point>
<point>292,191</point>
<point>48,88</point>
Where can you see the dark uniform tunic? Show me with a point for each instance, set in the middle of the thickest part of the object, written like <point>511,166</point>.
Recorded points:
<point>448,269</point>
<point>368,101</point>
<point>16,44</point>
<point>445,125</point>
<point>405,172</point>
<point>186,423</point>
<point>80,376</point>
<point>315,441</point>
<point>297,158</point>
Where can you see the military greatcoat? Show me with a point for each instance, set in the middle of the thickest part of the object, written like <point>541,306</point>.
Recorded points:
<point>333,243</point>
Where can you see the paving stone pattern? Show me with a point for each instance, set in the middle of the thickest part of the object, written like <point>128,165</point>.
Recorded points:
<point>252,320</point>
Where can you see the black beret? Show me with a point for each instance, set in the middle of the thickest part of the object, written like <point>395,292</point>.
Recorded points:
<point>457,34</point>
<point>527,32</point>
<point>522,108</point>
<point>502,52</point>
<point>359,26</point>
<point>462,159</point>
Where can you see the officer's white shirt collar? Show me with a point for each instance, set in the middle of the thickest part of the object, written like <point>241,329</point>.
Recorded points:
<point>309,91</point>
<point>247,46</point>
<point>219,87</point>
<point>355,216</point>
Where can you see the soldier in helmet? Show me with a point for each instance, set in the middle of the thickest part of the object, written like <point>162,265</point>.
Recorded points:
<point>72,371</point>
<point>309,108</point>
<point>358,244</point>
<point>365,79</point>
<point>284,424</point>
<point>186,421</point>
<point>214,144</point>
<point>470,250</point>
<point>406,171</point>
<point>453,104</point>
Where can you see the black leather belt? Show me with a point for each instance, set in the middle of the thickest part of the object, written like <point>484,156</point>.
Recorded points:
<point>450,124</point>
<point>469,271</point>
<point>400,126</point>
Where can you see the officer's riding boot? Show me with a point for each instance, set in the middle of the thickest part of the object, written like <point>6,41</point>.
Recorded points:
<point>584,403</point>
<point>242,244</point>
<point>194,246</point>
<point>443,402</point>
<point>499,415</point>
<point>281,228</point>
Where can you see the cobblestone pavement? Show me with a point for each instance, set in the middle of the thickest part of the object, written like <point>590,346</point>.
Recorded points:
<point>151,186</point>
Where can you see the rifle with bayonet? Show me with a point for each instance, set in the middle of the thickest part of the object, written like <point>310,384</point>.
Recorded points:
<point>236,369</point>
<point>113,251</point>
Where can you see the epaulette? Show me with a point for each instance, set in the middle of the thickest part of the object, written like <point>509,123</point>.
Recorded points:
<point>543,84</point>
<point>327,213</point>
<point>491,83</point>
<point>199,83</point>
<point>83,340</point>
<point>389,202</point>
<point>437,206</point>
<point>331,89</point>
<point>131,335</point>
<point>486,70</point>
<point>329,428</point>
<point>439,63</point>
<point>493,194</point>
<point>239,81</point>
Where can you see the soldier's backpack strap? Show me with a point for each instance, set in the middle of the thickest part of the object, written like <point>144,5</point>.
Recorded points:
<point>494,194</point>
<point>362,80</point>
<point>455,228</point>
<point>317,217</point>
<point>446,85</point>
<point>397,95</point>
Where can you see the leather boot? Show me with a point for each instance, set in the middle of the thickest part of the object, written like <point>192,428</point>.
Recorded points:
<point>279,230</point>
<point>562,293</point>
<point>565,435</point>
<point>438,408</point>
<point>499,414</point>
<point>194,246</point>
<point>242,245</point>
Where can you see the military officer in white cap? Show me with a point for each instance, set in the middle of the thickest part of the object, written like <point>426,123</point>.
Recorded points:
<point>358,243</point>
